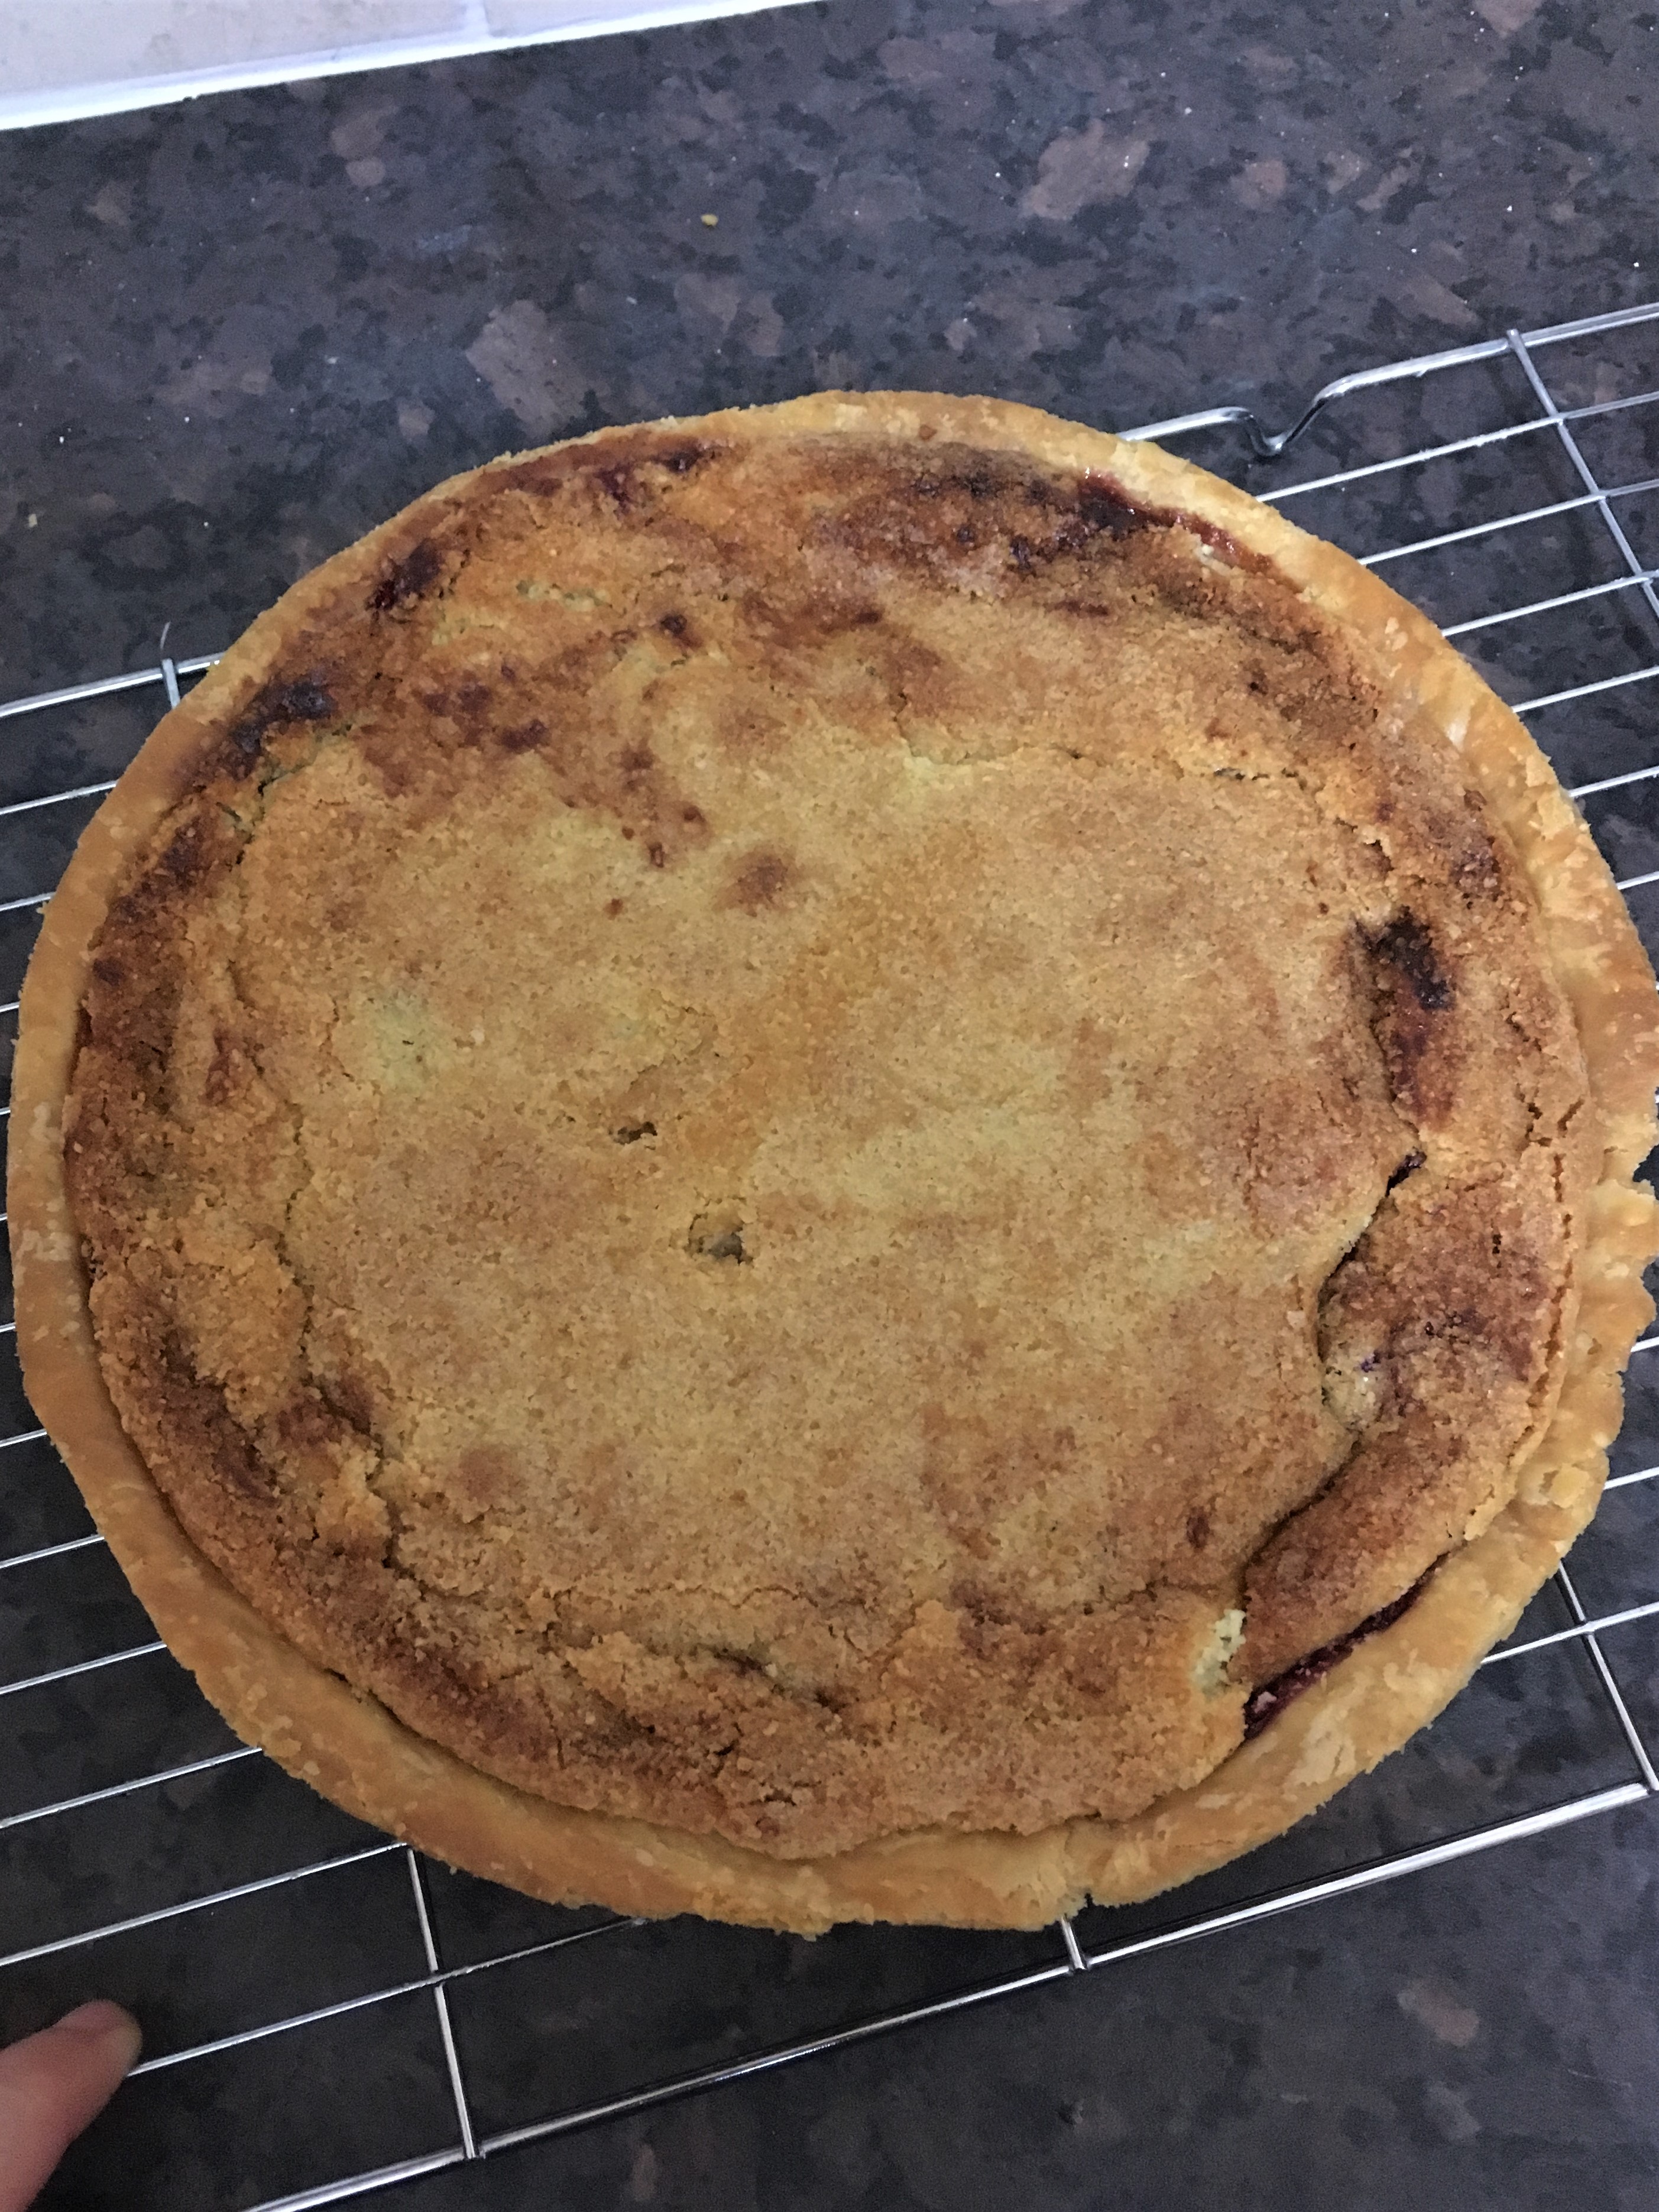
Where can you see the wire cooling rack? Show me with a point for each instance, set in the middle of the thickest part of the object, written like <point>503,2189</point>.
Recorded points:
<point>329,2015</point>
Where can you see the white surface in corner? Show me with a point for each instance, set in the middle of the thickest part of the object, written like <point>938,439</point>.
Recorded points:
<point>63,59</point>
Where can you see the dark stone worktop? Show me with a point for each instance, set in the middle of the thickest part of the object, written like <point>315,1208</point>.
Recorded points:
<point>238,332</point>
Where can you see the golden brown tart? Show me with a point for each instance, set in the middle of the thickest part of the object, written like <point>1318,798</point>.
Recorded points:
<point>872,1159</point>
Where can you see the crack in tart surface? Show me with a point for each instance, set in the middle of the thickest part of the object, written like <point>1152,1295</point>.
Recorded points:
<point>872,1159</point>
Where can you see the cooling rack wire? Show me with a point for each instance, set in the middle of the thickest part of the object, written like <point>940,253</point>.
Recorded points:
<point>1531,532</point>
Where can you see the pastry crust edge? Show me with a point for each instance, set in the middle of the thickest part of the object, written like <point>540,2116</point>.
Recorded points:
<point>348,1747</point>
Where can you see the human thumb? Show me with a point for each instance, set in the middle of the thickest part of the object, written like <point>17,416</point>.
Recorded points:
<point>51,2085</point>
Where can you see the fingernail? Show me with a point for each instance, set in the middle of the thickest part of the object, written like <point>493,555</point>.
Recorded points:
<point>101,2020</point>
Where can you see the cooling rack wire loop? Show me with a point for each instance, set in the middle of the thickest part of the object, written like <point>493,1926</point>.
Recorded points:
<point>1632,585</point>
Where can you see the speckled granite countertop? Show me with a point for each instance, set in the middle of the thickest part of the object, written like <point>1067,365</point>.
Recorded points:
<point>238,333</point>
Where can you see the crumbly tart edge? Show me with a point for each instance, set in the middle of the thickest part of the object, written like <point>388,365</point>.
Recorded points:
<point>348,1747</point>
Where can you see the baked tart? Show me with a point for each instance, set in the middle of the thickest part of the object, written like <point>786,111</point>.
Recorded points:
<point>868,1160</point>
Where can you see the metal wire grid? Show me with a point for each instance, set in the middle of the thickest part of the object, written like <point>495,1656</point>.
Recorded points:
<point>1067,1951</point>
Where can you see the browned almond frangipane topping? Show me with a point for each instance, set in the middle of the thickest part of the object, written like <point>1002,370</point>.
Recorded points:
<point>825,1136</point>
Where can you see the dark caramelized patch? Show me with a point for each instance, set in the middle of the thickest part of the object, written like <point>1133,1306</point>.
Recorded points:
<point>201,848</point>
<point>681,459</point>
<point>200,1411</point>
<point>1414,998</point>
<point>969,499</point>
<point>417,741</point>
<point>1103,504</point>
<point>523,737</point>
<point>1406,950</point>
<point>296,699</point>
<point>350,1397</point>
<point>189,856</point>
<point>1270,1700</point>
<point>619,468</point>
<point>411,578</point>
<point>761,881</point>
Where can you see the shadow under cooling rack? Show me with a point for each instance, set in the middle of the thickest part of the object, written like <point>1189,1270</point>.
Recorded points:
<point>328,2015</point>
